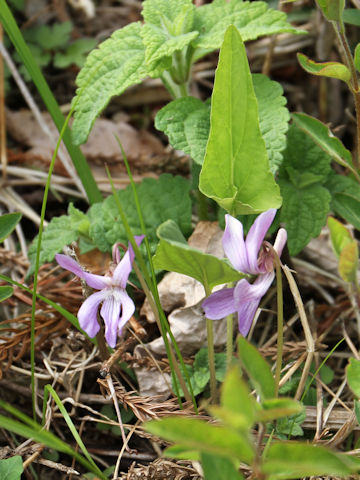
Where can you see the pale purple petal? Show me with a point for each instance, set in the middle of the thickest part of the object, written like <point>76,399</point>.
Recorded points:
<point>234,245</point>
<point>124,267</point>
<point>247,292</point>
<point>70,264</point>
<point>246,314</point>
<point>219,304</point>
<point>255,238</point>
<point>127,310</point>
<point>97,281</point>
<point>280,241</point>
<point>110,311</point>
<point>87,314</point>
<point>247,298</point>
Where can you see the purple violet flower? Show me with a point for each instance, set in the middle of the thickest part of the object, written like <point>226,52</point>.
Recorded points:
<point>117,307</point>
<point>252,256</point>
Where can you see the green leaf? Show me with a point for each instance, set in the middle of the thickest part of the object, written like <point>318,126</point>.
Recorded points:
<point>181,452</point>
<point>325,69</point>
<point>357,410</point>
<point>49,37</point>
<point>339,235</point>
<point>306,202</point>
<point>166,198</point>
<point>353,376</point>
<point>5,292</point>
<point>278,407</point>
<point>345,201</point>
<point>79,221</point>
<point>352,16</point>
<point>186,121</point>
<point>75,54</point>
<point>252,19</point>
<point>235,396</point>
<point>219,468</point>
<point>323,137</point>
<point>348,262</point>
<point>198,435</point>
<point>11,468</point>
<point>304,213</point>
<point>174,254</point>
<point>243,186</point>
<point>357,57</point>
<point>257,369</point>
<point>56,235</point>
<point>115,65</point>
<point>8,222</point>
<point>291,426</point>
<point>273,117</point>
<point>287,460</point>
<point>332,9</point>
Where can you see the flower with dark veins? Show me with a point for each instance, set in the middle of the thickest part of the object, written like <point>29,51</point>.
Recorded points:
<point>117,307</point>
<point>252,256</point>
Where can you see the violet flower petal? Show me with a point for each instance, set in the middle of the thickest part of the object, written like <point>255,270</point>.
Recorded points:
<point>219,304</point>
<point>110,312</point>
<point>124,267</point>
<point>246,314</point>
<point>280,241</point>
<point>99,282</point>
<point>87,313</point>
<point>247,292</point>
<point>70,264</point>
<point>255,238</point>
<point>247,298</point>
<point>234,245</point>
<point>127,310</point>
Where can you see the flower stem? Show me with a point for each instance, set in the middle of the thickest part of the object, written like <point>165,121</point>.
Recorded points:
<point>211,353</point>
<point>280,323</point>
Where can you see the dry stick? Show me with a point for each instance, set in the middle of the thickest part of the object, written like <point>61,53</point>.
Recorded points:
<point>304,322</point>
<point>117,409</point>
<point>38,116</point>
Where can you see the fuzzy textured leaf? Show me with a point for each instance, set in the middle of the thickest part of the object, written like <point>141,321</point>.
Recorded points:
<point>186,121</point>
<point>115,65</point>
<point>167,29</point>
<point>236,171</point>
<point>56,235</point>
<point>160,200</point>
<point>174,254</point>
<point>304,170</point>
<point>345,201</point>
<point>304,213</point>
<point>349,261</point>
<point>252,19</point>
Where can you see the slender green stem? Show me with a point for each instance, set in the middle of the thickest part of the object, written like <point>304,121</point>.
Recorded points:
<point>37,262</point>
<point>280,322</point>
<point>211,352</point>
